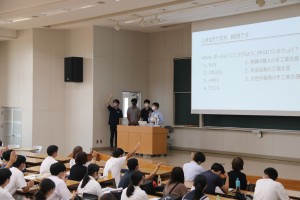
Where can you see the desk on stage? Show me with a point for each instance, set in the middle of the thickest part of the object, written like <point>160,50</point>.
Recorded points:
<point>153,139</point>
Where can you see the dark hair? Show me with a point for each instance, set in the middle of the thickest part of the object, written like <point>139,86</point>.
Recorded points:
<point>147,101</point>
<point>156,104</point>
<point>45,186</point>
<point>1,143</point>
<point>199,157</point>
<point>132,163</point>
<point>76,150</point>
<point>92,168</point>
<point>237,164</point>
<point>116,101</point>
<point>117,152</point>
<point>4,175</point>
<point>6,155</point>
<point>177,175</point>
<point>108,196</point>
<point>135,179</point>
<point>217,167</point>
<point>20,160</point>
<point>52,149</point>
<point>200,183</point>
<point>134,100</point>
<point>57,168</point>
<point>81,158</point>
<point>271,173</point>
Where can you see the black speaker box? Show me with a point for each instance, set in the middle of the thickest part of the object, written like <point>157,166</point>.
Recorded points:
<point>73,69</point>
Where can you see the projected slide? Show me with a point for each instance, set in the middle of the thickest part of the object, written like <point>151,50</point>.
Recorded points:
<point>251,69</point>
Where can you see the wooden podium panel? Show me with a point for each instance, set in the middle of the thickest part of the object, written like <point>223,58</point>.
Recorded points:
<point>153,139</point>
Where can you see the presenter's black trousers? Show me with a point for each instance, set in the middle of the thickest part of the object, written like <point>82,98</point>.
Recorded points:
<point>113,134</point>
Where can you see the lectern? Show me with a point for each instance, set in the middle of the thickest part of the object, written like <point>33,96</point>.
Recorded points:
<point>153,139</point>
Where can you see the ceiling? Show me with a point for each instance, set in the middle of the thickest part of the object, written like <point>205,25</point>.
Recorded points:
<point>128,14</point>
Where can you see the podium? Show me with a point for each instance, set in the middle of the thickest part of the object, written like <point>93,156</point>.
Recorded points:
<point>153,139</point>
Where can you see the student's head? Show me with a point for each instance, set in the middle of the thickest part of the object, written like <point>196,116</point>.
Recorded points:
<point>118,152</point>
<point>147,103</point>
<point>237,164</point>
<point>133,164</point>
<point>177,175</point>
<point>134,101</point>
<point>116,102</point>
<point>47,187</point>
<point>81,158</point>
<point>135,180</point>
<point>20,162</point>
<point>4,177</point>
<point>199,157</point>
<point>76,150</point>
<point>217,168</point>
<point>6,155</point>
<point>92,170</point>
<point>155,106</point>
<point>1,143</point>
<point>52,150</point>
<point>58,169</point>
<point>108,196</point>
<point>200,183</point>
<point>271,173</point>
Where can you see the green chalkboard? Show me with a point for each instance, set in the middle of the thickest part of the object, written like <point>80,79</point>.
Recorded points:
<point>182,93</point>
<point>260,122</point>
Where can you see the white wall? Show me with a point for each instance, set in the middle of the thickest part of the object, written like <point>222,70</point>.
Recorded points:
<point>165,46</point>
<point>120,64</point>
<point>16,74</point>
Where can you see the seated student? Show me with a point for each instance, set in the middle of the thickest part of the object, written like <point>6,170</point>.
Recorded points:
<point>17,180</point>
<point>200,183</point>
<point>5,175</point>
<point>47,187</point>
<point>133,191</point>
<point>89,183</point>
<point>116,162</point>
<point>214,179</point>
<point>47,162</point>
<point>133,165</point>
<point>237,165</point>
<point>108,196</point>
<point>58,176</point>
<point>78,170</point>
<point>194,168</point>
<point>5,157</point>
<point>268,188</point>
<point>176,184</point>
<point>75,151</point>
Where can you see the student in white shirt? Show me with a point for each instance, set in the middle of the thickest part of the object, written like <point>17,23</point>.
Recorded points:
<point>268,188</point>
<point>17,180</point>
<point>47,162</point>
<point>133,191</point>
<point>58,176</point>
<point>5,175</point>
<point>47,187</point>
<point>89,183</point>
<point>194,168</point>
<point>116,162</point>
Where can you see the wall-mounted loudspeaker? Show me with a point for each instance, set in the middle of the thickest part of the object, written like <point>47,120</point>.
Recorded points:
<point>73,69</point>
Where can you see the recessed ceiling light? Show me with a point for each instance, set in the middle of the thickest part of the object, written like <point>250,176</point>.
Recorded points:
<point>101,2</point>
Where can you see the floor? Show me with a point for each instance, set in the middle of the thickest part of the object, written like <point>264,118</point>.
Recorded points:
<point>252,166</point>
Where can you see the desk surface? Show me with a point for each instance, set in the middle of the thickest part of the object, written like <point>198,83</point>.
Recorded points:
<point>36,169</point>
<point>34,161</point>
<point>43,156</point>
<point>25,149</point>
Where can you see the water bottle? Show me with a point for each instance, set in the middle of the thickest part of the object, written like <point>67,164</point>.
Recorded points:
<point>159,181</point>
<point>237,184</point>
<point>218,197</point>
<point>109,174</point>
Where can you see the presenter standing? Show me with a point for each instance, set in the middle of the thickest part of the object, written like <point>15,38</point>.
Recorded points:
<point>145,112</point>
<point>156,117</point>
<point>115,114</point>
<point>133,113</point>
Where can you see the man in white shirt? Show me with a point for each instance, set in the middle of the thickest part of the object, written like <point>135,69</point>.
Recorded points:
<point>58,176</point>
<point>17,180</point>
<point>116,162</point>
<point>47,162</point>
<point>5,175</point>
<point>194,168</point>
<point>268,188</point>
